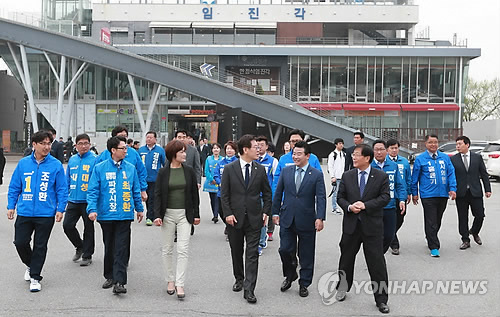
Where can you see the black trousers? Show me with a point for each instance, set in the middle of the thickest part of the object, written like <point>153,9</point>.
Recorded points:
<point>237,239</point>
<point>24,228</point>
<point>389,227</point>
<point>73,213</point>
<point>214,203</point>
<point>306,251</point>
<point>476,205</point>
<point>374,257</point>
<point>434,208</point>
<point>116,238</point>
<point>400,219</point>
<point>150,202</point>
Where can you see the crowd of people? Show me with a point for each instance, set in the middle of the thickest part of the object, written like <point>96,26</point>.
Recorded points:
<point>250,190</point>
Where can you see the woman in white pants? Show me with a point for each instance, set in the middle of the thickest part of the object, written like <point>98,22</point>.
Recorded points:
<point>176,208</point>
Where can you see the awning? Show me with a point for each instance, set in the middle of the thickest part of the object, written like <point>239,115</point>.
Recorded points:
<point>372,106</point>
<point>322,106</point>
<point>430,107</point>
<point>213,25</point>
<point>255,25</point>
<point>167,24</point>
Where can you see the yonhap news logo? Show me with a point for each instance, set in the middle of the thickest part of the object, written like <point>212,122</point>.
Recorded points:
<point>327,287</point>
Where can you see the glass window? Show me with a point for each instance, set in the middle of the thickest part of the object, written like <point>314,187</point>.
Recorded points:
<point>139,37</point>
<point>422,80</point>
<point>265,36</point>
<point>449,118</point>
<point>437,80</point>
<point>126,117</point>
<point>106,118</point>
<point>450,80</point>
<point>411,92</point>
<point>435,119</point>
<point>421,119</point>
<point>245,36</point>
<point>203,36</point>
<point>294,69</point>
<point>182,36</point>
<point>392,79</point>
<point>406,81</point>
<point>315,75</point>
<point>162,36</point>
<point>223,36</point>
<point>44,71</point>
<point>351,78</point>
<point>371,79</point>
<point>124,87</point>
<point>325,80</point>
<point>111,85</point>
<point>338,79</point>
<point>361,79</point>
<point>379,62</point>
<point>304,76</point>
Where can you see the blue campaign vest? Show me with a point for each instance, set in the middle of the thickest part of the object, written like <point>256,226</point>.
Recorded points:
<point>78,175</point>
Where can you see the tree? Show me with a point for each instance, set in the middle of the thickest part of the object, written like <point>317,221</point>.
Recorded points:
<point>482,100</point>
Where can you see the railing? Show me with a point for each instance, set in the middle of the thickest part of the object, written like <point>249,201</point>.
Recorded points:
<point>275,2</point>
<point>61,26</point>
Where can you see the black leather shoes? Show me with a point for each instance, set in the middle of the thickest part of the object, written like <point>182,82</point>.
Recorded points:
<point>303,292</point>
<point>477,239</point>
<point>286,285</point>
<point>238,286</point>
<point>250,297</point>
<point>119,289</point>
<point>465,245</point>
<point>383,308</point>
<point>108,284</point>
<point>340,296</point>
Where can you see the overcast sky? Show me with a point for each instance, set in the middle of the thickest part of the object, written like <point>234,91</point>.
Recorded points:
<point>478,21</point>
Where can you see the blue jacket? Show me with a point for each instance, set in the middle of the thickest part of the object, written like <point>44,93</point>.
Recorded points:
<point>219,169</point>
<point>78,175</point>
<point>133,158</point>
<point>114,191</point>
<point>286,160</point>
<point>153,160</point>
<point>210,165</point>
<point>302,207</point>
<point>404,172</point>
<point>267,162</point>
<point>433,178</point>
<point>38,190</point>
<point>397,188</point>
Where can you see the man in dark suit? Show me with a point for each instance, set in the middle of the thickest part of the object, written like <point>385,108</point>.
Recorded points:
<point>246,203</point>
<point>299,207</point>
<point>204,149</point>
<point>359,138</point>
<point>57,149</point>
<point>469,168</point>
<point>363,193</point>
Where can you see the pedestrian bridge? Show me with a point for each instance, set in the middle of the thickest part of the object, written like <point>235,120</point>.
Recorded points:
<point>280,111</point>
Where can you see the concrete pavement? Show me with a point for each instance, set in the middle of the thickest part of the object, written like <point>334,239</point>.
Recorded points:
<point>70,289</point>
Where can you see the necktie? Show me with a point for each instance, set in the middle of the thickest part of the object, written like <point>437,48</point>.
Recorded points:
<point>247,174</point>
<point>395,159</point>
<point>362,183</point>
<point>434,156</point>
<point>298,180</point>
<point>466,163</point>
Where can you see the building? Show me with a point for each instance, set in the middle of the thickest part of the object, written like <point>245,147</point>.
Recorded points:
<point>357,63</point>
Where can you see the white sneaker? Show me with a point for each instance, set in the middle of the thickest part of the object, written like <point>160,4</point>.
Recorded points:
<point>35,285</point>
<point>27,276</point>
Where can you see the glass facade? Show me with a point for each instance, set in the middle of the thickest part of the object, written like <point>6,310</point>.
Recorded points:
<point>373,79</point>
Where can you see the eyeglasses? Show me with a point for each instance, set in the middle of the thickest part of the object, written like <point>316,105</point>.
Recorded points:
<point>122,148</point>
<point>45,143</point>
<point>83,144</point>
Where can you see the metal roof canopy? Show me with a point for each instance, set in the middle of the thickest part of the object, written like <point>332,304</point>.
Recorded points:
<point>96,53</point>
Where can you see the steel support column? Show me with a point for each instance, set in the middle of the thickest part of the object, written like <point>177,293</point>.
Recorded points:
<point>137,104</point>
<point>154,98</point>
<point>60,99</point>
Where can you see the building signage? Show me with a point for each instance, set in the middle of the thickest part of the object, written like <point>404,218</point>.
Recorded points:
<point>254,71</point>
<point>105,35</point>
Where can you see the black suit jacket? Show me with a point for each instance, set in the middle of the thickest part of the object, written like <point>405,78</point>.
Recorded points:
<point>57,151</point>
<point>2,165</point>
<point>348,158</point>
<point>477,171</point>
<point>237,200</point>
<point>375,196</point>
<point>192,198</point>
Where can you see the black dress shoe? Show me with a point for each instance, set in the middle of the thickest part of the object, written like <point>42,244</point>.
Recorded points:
<point>238,286</point>
<point>340,296</point>
<point>465,245</point>
<point>286,285</point>
<point>119,289</point>
<point>108,284</point>
<point>477,239</point>
<point>250,297</point>
<point>192,229</point>
<point>303,292</point>
<point>383,308</point>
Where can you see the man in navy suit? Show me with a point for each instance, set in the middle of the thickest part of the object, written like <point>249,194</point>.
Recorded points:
<point>299,207</point>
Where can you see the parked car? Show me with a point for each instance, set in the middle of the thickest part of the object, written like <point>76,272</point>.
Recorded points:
<point>450,149</point>
<point>491,158</point>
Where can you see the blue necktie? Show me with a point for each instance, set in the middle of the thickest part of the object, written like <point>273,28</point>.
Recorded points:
<point>247,174</point>
<point>362,183</point>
